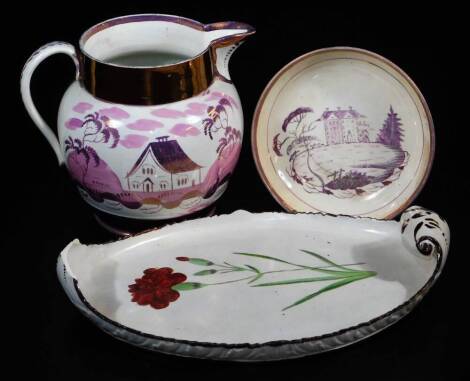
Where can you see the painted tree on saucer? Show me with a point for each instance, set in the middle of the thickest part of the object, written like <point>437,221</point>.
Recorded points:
<point>391,133</point>
<point>298,145</point>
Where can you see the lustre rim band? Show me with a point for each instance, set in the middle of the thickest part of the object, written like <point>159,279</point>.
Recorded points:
<point>146,86</point>
<point>160,84</point>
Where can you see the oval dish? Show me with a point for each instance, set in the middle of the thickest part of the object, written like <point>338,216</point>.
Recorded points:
<point>257,287</point>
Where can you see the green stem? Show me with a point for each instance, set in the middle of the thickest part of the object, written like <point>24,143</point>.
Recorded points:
<point>319,269</point>
<point>357,274</point>
<point>236,268</point>
<point>332,286</point>
<point>223,266</point>
<point>229,281</point>
<point>258,275</point>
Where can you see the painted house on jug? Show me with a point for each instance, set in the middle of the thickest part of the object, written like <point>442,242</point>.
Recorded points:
<point>344,126</point>
<point>163,166</point>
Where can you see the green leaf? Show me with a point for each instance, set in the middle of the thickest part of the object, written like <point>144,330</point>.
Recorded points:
<point>256,278</point>
<point>331,272</point>
<point>326,260</point>
<point>234,268</point>
<point>187,286</point>
<point>330,287</point>
<point>200,262</point>
<point>205,272</point>
<point>300,280</point>
<point>253,268</point>
<point>263,257</point>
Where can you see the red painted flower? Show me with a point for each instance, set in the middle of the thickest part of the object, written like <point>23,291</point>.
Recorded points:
<point>155,287</point>
<point>182,259</point>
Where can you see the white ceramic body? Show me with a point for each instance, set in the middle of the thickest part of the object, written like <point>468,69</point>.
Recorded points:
<point>257,295</point>
<point>142,195</point>
<point>167,143</point>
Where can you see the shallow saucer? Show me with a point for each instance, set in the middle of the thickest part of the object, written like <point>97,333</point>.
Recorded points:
<point>345,131</point>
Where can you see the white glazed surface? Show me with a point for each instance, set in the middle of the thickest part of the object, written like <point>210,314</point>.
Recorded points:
<point>350,86</point>
<point>128,37</point>
<point>239,321</point>
<point>138,126</point>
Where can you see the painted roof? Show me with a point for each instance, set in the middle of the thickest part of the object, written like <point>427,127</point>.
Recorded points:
<point>169,155</point>
<point>341,113</point>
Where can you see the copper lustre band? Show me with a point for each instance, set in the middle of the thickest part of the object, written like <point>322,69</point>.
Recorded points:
<point>146,86</point>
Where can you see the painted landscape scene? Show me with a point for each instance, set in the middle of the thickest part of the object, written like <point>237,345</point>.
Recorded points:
<point>339,153</point>
<point>162,174</point>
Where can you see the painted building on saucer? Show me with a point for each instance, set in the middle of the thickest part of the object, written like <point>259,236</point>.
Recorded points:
<point>163,166</point>
<point>344,126</point>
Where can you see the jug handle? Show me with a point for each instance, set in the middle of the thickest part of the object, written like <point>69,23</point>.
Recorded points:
<point>30,66</point>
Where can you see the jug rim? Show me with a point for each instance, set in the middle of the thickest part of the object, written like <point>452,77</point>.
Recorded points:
<point>181,20</point>
<point>154,85</point>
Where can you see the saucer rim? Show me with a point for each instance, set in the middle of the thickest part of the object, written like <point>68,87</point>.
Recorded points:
<point>277,195</point>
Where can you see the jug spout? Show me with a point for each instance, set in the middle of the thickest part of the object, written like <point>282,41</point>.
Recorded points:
<point>224,38</point>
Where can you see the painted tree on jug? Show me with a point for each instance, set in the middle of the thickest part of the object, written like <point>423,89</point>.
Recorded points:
<point>217,120</point>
